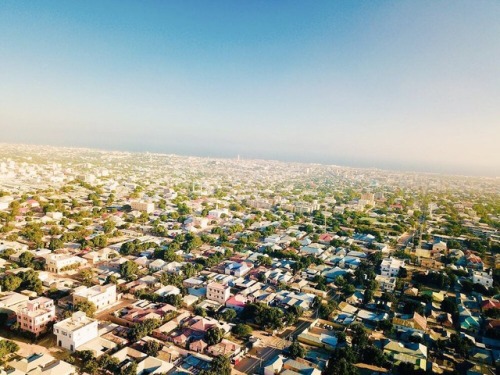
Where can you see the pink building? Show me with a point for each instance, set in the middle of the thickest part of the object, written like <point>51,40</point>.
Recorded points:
<point>36,314</point>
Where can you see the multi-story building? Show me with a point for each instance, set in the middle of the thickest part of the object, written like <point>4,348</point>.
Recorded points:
<point>35,316</point>
<point>101,296</point>
<point>75,331</point>
<point>147,207</point>
<point>386,283</point>
<point>218,292</point>
<point>390,266</point>
<point>62,262</point>
<point>482,278</point>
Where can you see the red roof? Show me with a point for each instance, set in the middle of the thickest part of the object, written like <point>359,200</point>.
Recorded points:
<point>490,304</point>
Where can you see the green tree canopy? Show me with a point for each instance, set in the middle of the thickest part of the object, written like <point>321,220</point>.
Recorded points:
<point>87,307</point>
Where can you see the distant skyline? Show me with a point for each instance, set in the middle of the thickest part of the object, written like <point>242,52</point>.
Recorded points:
<point>405,85</point>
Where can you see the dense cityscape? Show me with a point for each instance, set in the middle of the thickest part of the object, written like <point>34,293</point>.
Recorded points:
<point>148,263</point>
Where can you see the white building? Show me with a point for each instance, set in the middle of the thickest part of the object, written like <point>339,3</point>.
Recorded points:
<point>482,278</point>
<point>62,262</point>
<point>236,269</point>
<point>386,283</point>
<point>193,223</point>
<point>390,267</point>
<point>168,290</point>
<point>75,331</point>
<point>218,292</point>
<point>147,207</point>
<point>101,296</point>
<point>217,213</point>
<point>35,316</point>
<point>157,265</point>
<point>55,215</point>
<point>439,246</point>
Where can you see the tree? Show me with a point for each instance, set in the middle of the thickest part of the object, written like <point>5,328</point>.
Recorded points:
<point>108,226</point>
<point>14,208</point>
<point>220,365</point>
<point>449,305</point>
<point>462,345</point>
<point>152,348</point>
<point>264,260</point>
<point>7,347</point>
<point>214,335</point>
<point>87,275</point>
<point>359,337</point>
<point>142,329</point>
<point>296,350</point>
<point>386,326</point>
<point>7,253</point>
<point>130,369</point>
<point>403,273</point>
<point>31,281</point>
<point>174,299</point>
<point>55,243</point>
<point>171,256</point>
<point>373,356</point>
<point>263,315</point>
<point>111,279</point>
<point>128,269</point>
<point>348,289</point>
<point>228,315</point>
<point>242,330</point>
<point>198,310</point>
<point>11,282</point>
<point>99,241</point>
<point>193,242</point>
<point>106,362</point>
<point>89,363</point>
<point>87,307</point>
<point>325,310</point>
<point>189,270</point>
<point>367,296</point>
<point>26,259</point>
<point>340,367</point>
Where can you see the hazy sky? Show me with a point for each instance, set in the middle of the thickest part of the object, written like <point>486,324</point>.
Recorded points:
<point>398,84</point>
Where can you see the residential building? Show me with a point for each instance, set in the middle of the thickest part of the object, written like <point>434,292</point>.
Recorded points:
<point>237,269</point>
<point>439,246</point>
<point>386,283</point>
<point>40,364</point>
<point>237,302</point>
<point>75,331</point>
<point>101,296</point>
<point>35,316</point>
<point>225,347</point>
<point>482,278</point>
<point>218,292</point>
<point>11,301</point>
<point>62,262</point>
<point>147,207</point>
<point>413,353</point>
<point>390,266</point>
<point>415,323</point>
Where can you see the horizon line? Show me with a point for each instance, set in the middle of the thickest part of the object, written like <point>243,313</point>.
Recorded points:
<point>242,158</point>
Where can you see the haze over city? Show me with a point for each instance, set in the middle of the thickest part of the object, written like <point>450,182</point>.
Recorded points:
<point>250,187</point>
<point>407,85</point>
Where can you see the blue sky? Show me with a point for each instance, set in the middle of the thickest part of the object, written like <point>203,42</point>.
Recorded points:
<point>412,85</point>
